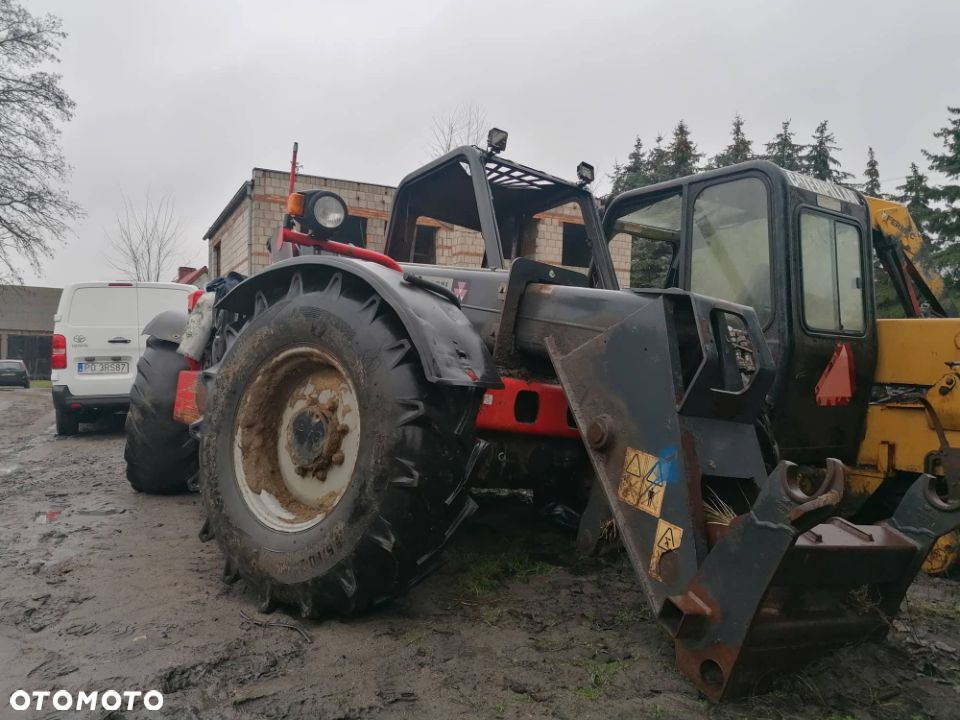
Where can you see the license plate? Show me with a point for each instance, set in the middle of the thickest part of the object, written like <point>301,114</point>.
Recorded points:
<point>103,368</point>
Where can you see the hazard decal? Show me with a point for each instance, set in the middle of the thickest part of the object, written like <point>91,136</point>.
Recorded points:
<point>461,288</point>
<point>642,484</point>
<point>667,539</point>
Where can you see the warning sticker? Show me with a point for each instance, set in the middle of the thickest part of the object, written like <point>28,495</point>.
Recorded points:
<point>460,289</point>
<point>668,538</point>
<point>642,483</point>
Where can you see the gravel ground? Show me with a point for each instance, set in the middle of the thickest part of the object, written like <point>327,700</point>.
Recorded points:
<point>103,588</point>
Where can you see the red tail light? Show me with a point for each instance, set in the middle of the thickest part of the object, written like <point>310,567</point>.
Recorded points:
<point>193,298</point>
<point>58,355</point>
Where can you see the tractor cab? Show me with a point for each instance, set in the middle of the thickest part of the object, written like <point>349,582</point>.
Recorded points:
<point>798,251</point>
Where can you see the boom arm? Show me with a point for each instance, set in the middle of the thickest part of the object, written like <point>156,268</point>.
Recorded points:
<point>901,249</point>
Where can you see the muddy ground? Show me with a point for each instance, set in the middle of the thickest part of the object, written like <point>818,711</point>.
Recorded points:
<point>116,591</point>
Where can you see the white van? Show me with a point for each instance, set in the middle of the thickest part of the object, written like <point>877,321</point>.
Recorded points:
<point>97,342</point>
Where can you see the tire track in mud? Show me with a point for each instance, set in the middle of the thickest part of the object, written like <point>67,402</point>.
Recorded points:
<point>115,591</point>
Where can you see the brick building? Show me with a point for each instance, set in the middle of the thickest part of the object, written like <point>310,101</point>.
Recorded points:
<point>238,237</point>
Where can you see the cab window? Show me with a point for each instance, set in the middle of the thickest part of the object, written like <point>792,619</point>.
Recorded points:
<point>651,235</point>
<point>731,245</point>
<point>831,258</point>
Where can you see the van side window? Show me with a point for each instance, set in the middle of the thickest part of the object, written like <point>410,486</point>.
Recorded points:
<point>731,245</point>
<point>830,255</point>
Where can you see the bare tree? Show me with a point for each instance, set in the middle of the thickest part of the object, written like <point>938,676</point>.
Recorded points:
<point>464,125</point>
<point>146,240</point>
<point>35,210</point>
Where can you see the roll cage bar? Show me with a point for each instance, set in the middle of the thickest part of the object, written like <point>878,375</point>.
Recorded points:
<point>481,191</point>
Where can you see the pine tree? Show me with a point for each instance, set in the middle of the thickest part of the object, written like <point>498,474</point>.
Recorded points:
<point>739,150</point>
<point>818,160</point>
<point>660,162</point>
<point>635,173</point>
<point>783,151</point>
<point>915,194</point>
<point>945,215</point>
<point>684,158</point>
<point>872,174</point>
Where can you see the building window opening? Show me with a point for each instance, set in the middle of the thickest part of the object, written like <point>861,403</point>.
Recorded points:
<point>353,231</point>
<point>425,245</point>
<point>576,250</point>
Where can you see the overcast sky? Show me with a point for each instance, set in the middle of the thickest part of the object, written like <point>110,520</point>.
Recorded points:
<point>186,96</point>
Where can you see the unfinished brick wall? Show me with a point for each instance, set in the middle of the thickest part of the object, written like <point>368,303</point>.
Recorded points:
<point>620,249</point>
<point>231,238</point>
<point>243,241</point>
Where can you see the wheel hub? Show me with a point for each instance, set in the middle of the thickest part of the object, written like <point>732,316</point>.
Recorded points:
<point>314,438</point>
<point>307,437</point>
<point>296,439</point>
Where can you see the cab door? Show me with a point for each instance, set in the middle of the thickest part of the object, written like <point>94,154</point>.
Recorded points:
<point>733,247</point>
<point>832,314</point>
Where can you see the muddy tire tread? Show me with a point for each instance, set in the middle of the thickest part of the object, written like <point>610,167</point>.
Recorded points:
<point>419,512</point>
<point>161,456</point>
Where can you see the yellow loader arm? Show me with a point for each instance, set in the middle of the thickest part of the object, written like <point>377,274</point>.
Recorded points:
<point>905,256</point>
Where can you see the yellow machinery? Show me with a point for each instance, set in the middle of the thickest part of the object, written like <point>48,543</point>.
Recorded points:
<point>913,420</point>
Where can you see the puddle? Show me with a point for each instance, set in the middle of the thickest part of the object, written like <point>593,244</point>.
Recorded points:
<point>99,513</point>
<point>45,517</point>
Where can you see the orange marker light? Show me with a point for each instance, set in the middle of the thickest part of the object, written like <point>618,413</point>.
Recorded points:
<point>295,204</point>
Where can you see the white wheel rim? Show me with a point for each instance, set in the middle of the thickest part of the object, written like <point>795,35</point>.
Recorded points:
<point>296,439</point>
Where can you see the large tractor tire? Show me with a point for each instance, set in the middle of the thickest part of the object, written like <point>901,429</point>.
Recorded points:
<point>332,472</point>
<point>161,455</point>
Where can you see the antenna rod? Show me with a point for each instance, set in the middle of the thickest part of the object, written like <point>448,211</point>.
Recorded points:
<point>293,169</point>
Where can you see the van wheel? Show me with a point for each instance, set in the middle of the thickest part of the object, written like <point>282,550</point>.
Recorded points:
<point>161,456</point>
<point>67,423</point>
<point>332,472</point>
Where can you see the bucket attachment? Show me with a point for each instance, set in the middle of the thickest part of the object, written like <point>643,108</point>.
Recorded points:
<point>751,573</point>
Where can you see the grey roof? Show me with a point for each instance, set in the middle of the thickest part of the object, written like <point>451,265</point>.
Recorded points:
<point>28,309</point>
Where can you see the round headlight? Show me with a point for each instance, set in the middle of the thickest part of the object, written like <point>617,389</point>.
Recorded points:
<point>329,211</point>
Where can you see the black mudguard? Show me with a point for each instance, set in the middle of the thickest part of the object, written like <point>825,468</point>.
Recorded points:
<point>168,325</point>
<point>449,347</point>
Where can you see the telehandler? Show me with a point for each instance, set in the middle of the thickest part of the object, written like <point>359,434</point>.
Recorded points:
<point>878,394</point>
<point>345,401</point>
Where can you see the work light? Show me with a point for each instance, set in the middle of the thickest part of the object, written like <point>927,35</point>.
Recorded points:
<point>327,210</point>
<point>585,173</point>
<point>497,140</point>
